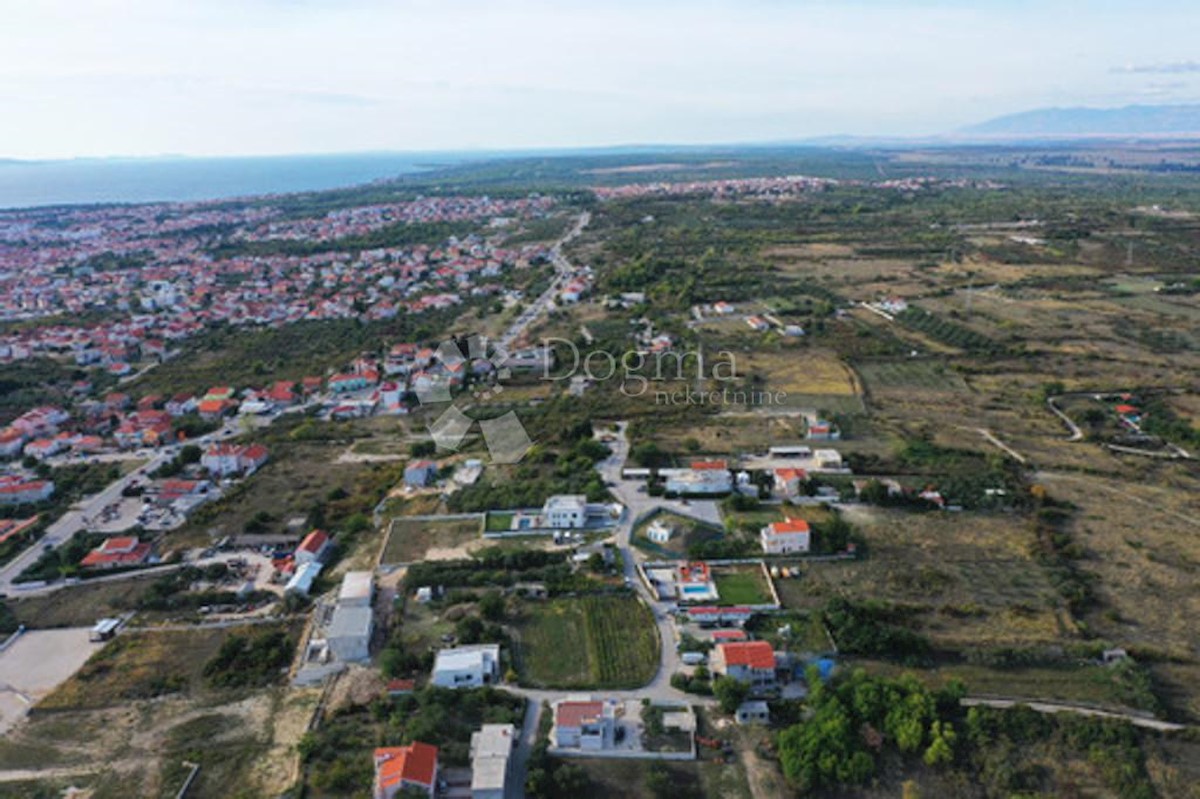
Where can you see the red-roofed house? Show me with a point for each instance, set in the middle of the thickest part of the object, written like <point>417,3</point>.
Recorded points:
<point>786,537</point>
<point>584,725</point>
<point>223,460</point>
<point>20,492</point>
<point>11,441</point>
<point>402,767</point>
<point>313,548</point>
<point>399,687</point>
<point>726,636</point>
<point>282,393</point>
<point>114,552</point>
<point>214,408</point>
<point>749,662</point>
<point>790,482</point>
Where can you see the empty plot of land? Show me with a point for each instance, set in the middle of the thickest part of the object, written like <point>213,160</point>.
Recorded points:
<point>410,540</point>
<point>919,374</point>
<point>799,372</point>
<point>80,605</point>
<point>967,578</point>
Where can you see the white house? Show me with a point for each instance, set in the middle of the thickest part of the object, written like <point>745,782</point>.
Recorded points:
<point>302,579</point>
<point>828,459</point>
<point>467,666</point>
<point>349,633</point>
<point>589,725</point>
<point>786,537</point>
<point>659,531</point>
<point>16,491</point>
<point>754,711</point>
<point>564,511</point>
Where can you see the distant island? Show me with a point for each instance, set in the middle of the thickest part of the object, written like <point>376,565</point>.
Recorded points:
<point>1130,120</point>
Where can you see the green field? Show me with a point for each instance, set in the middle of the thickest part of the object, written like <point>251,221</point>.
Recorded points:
<point>590,642</point>
<point>923,374</point>
<point>499,522</point>
<point>410,539</point>
<point>742,586</point>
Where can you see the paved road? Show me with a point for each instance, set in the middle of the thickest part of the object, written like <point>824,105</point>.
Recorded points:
<point>563,269</point>
<point>71,522</point>
<point>659,688</point>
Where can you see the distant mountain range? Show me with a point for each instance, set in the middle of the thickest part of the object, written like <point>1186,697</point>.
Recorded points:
<point>1132,120</point>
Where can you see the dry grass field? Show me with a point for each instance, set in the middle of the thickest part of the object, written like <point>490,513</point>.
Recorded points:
<point>1143,543</point>
<point>297,476</point>
<point>142,665</point>
<point>969,578</point>
<point>245,746</point>
<point>411,540</point>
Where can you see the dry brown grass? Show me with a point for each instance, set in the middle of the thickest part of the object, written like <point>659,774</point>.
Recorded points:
<point>970,577</point>
<point>1142,543</point>
<point>800,371</point>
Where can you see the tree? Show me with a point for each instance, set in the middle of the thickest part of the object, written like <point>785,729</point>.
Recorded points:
<point>492,606</point>
<point>941,750</point>
<point>658,781</point>
<point>730,693</point>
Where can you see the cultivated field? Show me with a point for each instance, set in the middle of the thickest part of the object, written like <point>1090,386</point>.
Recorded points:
<point>920,374</point>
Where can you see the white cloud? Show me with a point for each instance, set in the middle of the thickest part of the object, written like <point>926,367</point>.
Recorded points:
<point>1170,68</point>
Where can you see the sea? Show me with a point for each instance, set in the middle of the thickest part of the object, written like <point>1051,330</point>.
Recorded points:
<point>25,184</point>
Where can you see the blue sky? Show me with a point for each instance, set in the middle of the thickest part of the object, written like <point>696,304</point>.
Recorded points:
<point>223,77</point>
